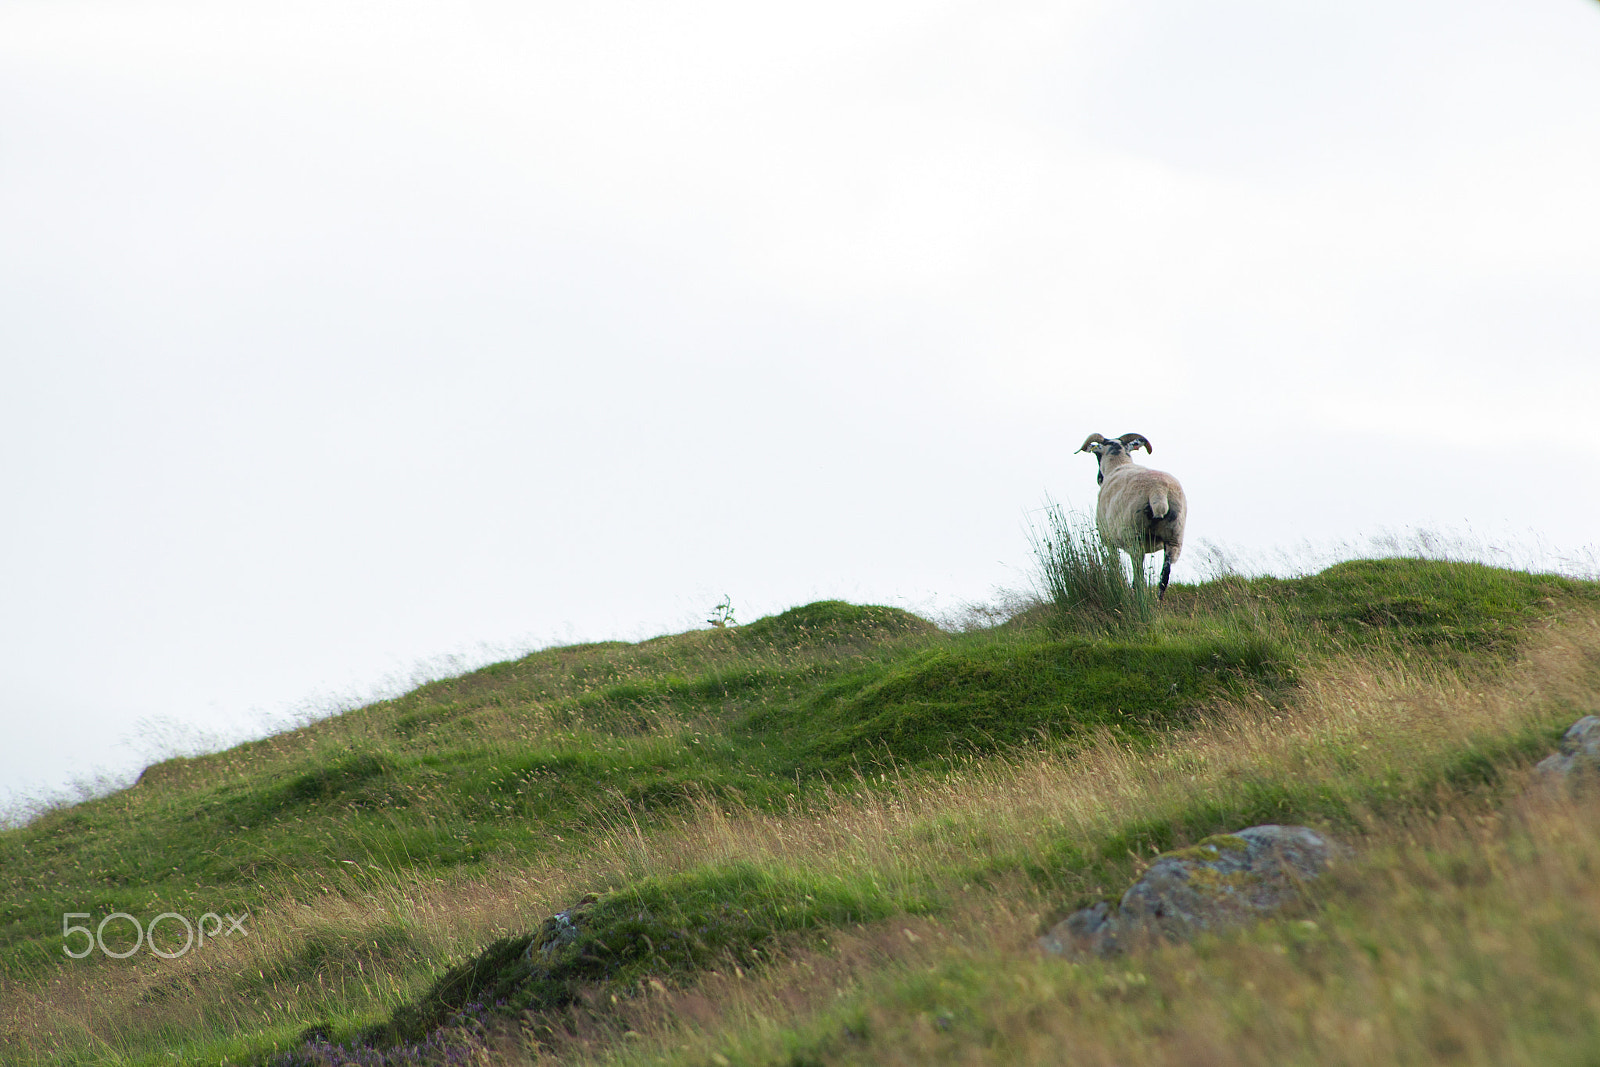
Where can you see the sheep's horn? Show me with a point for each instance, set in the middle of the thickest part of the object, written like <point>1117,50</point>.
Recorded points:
<point>1092,439</point>
<point>1129,439</point>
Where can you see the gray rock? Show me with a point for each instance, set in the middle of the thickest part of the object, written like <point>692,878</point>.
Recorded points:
<point>559,931</point>
<point>1226,880</point>
<point>1579,757</point>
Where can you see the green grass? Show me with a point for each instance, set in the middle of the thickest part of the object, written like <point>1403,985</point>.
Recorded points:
<point>979,698</point>
<point>730,915</point>
<point>526,765</point>
<point>1467,935</point>
<point>1460,613</point>
<point>735,914</point>
<point>1086,582</point>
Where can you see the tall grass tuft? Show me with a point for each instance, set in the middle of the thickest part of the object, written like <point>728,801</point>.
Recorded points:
<point>1084,579</point>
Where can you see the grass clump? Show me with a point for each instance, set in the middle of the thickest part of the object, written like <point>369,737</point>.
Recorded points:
<point>1084,579</point>
<point>663,929</point>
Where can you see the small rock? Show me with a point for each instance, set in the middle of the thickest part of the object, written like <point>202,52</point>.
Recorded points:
<point>559,931</point>
<point>1092,929</point>
<point>1580,753</point>
<point>1226,880</point>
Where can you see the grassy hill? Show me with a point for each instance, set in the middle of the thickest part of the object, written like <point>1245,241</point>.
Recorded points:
<point>831,835</point>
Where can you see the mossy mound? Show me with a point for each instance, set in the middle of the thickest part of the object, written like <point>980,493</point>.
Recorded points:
<point>832,622</point>
<point>1458,609</point>
<point>659,928</point>
<point>944,702</point>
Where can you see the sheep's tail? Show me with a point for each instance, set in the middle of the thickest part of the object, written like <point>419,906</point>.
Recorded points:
<point>1158,505</point>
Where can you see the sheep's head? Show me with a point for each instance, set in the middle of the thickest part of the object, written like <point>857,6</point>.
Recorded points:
<point>1101,446</point>
<point>1104,448</point>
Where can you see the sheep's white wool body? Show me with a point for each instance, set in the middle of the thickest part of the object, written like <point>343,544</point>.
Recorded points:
<point>1140,510</point>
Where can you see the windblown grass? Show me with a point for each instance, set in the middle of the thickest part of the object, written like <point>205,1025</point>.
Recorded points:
<point>1465,933</point>
<point>1084,579</point>
<point>1468,929</point>
<point>379,850</point>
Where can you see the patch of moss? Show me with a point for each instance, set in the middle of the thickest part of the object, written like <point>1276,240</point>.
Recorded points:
<point>1210,848</point>
<point>1206,880</point>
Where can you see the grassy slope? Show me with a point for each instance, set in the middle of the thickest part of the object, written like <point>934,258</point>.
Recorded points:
<point>611,767</point>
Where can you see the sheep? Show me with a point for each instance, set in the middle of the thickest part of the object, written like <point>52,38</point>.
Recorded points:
<point>1140,510</point>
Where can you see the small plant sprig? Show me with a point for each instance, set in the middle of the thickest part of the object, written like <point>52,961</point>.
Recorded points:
<point>722,614</point>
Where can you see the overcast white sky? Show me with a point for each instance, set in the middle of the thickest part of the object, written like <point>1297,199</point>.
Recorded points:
<point>335,337</point>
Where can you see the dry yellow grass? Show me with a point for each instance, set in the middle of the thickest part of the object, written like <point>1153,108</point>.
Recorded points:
<point>1449,911</point>
<point>1472,937</point>
<point>1355,719</point>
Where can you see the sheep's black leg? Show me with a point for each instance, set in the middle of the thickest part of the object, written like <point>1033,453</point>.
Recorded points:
<point>1166,572</point>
